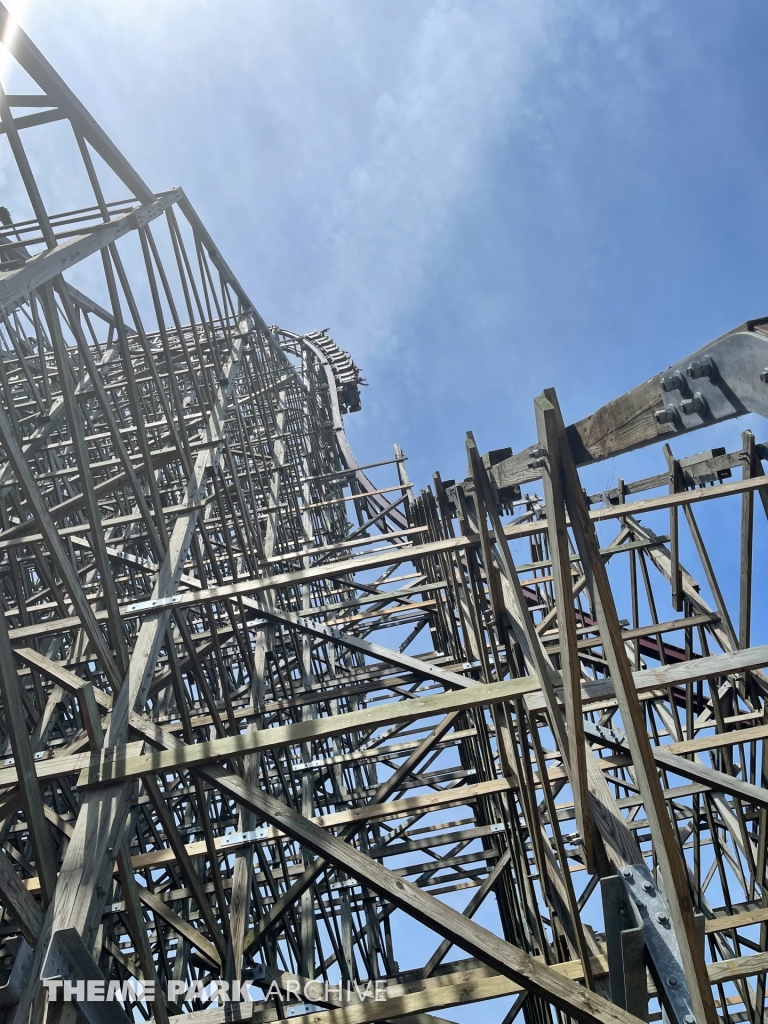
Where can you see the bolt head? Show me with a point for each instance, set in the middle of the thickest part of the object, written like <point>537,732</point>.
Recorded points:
<point>703,368</point>
<point>664,416</point>
<point>672,981</point>
<point>662,917</point>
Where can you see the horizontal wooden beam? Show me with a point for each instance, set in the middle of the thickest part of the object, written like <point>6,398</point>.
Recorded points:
<point>127,762</point>
<point>400,553</point>
<point>103,770</point>
<point>15,285</point>
<point>404,552</point>
<point>513,963</point>
<point>718,782</point>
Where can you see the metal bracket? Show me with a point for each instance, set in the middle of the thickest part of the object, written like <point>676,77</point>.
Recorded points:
<point>238,838</point>
<point>254,972</point>
<point>605,735</point>
<point>69,958</point>
<point>347,883</point>
<point>651,908</point>
<point>625,944</point>
<point>23,954</point>
<point>720,381</point>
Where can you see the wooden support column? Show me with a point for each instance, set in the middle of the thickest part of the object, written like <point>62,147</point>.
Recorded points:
<point>291,895</point>
<point>87,867</point>
<point>80,450</point>
<point>132,897</point>
<point>570,667</point>
<point>572,749</point>
<point>16,898</point>
<point>185,862</point>
<point>83,610</point>
<point>75,686</point>
<point>242,874</point>
<point>16,723</point>
<point>405,483</point>
<point>22,162</point>
<point>669,857</point>
<point>469,911</point>
<point>675,486</point>
<point>747,530</point>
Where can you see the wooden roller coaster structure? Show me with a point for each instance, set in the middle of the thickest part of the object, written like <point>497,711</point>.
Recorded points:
<point>259,712</point>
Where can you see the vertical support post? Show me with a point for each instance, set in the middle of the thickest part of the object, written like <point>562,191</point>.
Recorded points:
<point>80,448</point>
<point>138,928</point>
<point>675,485</point>
<point>16,721</point>
<point>669,857</point>
<point>25,171</point>
<point>347,961</point>
<point>405,483</point>
<point>486,505</point>
<point>625,946</point>
<point>635,980</point>
<point>747,530</point>
<point>570,668</point>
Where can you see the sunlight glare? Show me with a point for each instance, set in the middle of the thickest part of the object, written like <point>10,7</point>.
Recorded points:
<point>16,9</point>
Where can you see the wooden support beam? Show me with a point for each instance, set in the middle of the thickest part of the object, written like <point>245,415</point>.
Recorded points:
<point>17,900</point>
<point>719,665</point>
<point>110,769</point>
<point>88,696</point>
<point>537,978</point>
<point>28,484</point>
<point>570,666</point>
<point>16,723</point>
<point>329,570</point>
<point>175,555</point>
<point>748,469</point>
<point>669,857</point>
<point>185,863</point>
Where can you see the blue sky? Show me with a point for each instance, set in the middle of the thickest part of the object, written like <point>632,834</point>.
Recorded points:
<point>480,199</point>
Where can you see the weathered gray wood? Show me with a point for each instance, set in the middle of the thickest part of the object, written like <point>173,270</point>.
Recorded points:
<point>88,696</point>
<point>108,770</point>
<point>185,863</point>
<point>17,900</point>
<point>184,569</point>
<point>31,492</point>
<point>16,723</point>
<point>670,860</point>
<point>507,959</point>
<point>747,533</point>
<point>335,569</point>
<point>570,668</point>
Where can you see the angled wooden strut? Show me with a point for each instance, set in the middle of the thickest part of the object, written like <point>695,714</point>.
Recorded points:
<point>670,860</point>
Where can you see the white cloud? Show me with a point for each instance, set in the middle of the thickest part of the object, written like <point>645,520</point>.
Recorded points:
<point>329,145</point>
<point>332,142</point>
<point>454,90</point>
